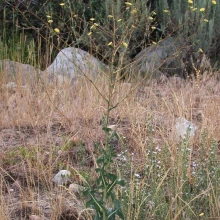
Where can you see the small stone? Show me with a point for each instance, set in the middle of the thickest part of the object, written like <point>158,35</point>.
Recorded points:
<point>62,177</point>
<point>35,217</point>
<point>76,188</point>
<point>16,186</point>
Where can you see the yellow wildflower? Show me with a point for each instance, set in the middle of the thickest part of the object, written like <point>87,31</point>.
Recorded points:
<point>128,3</point>
<point>191,7</point>
<point>200,50</point>
<point>92,19</point>
<point>194,9</point>
<point>214,2</point>
<point>151,18</point>
<point>96,24</point>
<point>92,27</point>
<point>75,16</point>
<point>154,13</point>
<point>62,4</point>
<point>119,20</point>
<point>133,26</point>
<point>153,28</point>
<point>57,30</point>
<point>110,16</point>
<point>166,11</point>
<point>206,20</point>
<point>153,42</point>
<point>125,44</point>
<point>134,11</point>
<point>201,214</point>
<point>110,43</point>
<point>48,16</point>
<point>90,33</point>
<point>202,9</point>
<point>190,1</point>
<point>50,21</point>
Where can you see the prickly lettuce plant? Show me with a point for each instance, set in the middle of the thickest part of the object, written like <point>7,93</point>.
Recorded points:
<point>103,198</point>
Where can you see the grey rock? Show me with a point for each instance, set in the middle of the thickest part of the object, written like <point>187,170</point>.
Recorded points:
<point>14,72</point>
<point>163,57</point>
<point>72,62</point>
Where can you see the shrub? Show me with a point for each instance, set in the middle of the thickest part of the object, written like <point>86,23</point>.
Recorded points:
<point>195,20</point>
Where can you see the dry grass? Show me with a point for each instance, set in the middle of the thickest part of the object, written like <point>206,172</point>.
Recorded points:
<point>46,128</point>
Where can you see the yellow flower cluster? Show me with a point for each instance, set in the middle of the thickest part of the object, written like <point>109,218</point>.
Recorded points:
<point>93,27</point>
<point>57,30</point>
<point>128,3</point>
<point>134,11</point>
<point>125,44</point>
<point>214,2</point>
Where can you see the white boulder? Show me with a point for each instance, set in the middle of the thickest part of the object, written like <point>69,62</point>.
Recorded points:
<point>62,177</point>
<point>71,62</point>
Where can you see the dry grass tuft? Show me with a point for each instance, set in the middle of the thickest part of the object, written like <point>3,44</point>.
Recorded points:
<point>48,128</point>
